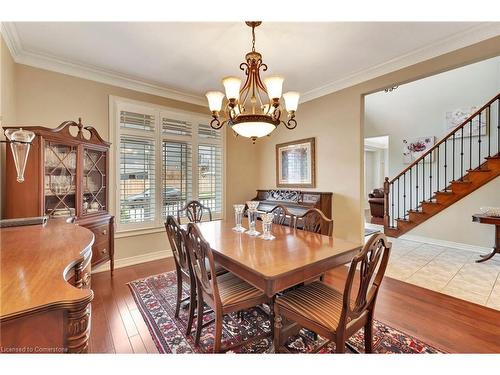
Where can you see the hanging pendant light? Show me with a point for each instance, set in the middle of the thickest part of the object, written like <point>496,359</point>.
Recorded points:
<point>254,110</point>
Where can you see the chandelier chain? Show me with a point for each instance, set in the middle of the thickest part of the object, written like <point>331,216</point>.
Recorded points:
<point>253,38</point>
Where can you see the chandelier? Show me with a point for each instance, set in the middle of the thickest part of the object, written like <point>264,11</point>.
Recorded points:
<point>255,110</point>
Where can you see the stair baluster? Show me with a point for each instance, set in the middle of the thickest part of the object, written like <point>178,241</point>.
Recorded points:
<point>479,142</point>
<point>453,164</point>
<point>461,155</point>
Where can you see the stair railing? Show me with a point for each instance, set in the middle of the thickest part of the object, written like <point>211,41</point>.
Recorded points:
<point>432,172</point>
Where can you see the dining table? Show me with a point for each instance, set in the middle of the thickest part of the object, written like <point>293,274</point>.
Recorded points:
<point>294,256</point>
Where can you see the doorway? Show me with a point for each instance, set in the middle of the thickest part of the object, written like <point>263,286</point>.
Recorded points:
<point>376,168</point>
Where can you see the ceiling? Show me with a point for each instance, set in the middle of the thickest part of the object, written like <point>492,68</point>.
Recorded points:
<point>189,58</point>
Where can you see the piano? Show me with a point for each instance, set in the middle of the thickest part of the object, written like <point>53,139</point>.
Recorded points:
<point>296,201</point>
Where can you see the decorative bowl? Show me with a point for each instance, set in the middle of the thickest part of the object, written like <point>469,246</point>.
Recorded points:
<point>490,211</point>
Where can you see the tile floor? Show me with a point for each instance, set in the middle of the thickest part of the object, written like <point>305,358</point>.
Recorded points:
<point>446,270</point>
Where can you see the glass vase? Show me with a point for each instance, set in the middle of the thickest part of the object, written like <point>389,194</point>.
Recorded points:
<point>238,217</point>
<point>267,223</point>
<point>252,218</point>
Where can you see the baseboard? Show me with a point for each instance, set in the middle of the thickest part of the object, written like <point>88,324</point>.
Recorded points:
<point>130,261</point>
<point>437,242</point>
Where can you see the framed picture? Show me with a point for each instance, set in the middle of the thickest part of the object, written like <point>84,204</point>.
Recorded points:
<point>415,147</point>
<point>457,117</point>
<point>295,164</point>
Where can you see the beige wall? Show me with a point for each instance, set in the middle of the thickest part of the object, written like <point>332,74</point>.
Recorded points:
<point>7,105</point>
<point>336,120</point>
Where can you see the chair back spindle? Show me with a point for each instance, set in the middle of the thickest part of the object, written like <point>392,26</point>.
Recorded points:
<point>202,262</point>
<point>372,262</point>
<point>194,212</point>
<point>177,240</point>
<point>314,220</point>
<point>282,216</point>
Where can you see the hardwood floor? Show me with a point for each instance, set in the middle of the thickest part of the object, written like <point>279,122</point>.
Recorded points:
<point>450,324</point>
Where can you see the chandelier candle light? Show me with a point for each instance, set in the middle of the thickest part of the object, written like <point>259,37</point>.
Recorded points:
<point>248,112</point>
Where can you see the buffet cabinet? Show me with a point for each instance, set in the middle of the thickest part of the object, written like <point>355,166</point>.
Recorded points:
<point>66,175</point>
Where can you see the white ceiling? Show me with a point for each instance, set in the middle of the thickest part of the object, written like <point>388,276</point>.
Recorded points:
<point>191,58</point>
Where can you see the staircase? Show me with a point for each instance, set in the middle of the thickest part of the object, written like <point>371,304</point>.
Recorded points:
<point>464,160</point>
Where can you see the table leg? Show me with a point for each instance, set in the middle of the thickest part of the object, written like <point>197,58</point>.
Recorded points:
<point>496,249</point>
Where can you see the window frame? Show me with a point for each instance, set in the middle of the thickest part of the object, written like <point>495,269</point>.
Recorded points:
<point>118,104</point>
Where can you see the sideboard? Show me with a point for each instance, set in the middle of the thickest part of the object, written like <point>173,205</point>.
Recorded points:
<point>45,288</point>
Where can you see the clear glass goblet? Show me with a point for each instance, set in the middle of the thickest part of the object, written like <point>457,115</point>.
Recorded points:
<point>238,217</point>
<point>252,217</point>
<point>267,223</point>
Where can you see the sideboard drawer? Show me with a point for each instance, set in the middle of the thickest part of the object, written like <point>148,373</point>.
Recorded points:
<point>100,252</point>
<point>101,233</point>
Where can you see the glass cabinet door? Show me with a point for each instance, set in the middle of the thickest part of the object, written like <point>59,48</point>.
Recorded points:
<point>60,179</point>
<point>94,181</point>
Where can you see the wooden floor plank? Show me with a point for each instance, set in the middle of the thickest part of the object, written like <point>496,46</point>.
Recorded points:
<point>450,324</point>
<point>143,331</point>
<point>102,343</point>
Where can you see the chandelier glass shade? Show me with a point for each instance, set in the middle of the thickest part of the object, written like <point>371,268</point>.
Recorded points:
<point>255,109</point>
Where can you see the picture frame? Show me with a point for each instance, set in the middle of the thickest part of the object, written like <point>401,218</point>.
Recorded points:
<point>455,118</point>
<point>413,148</point>
<point>296,164</point>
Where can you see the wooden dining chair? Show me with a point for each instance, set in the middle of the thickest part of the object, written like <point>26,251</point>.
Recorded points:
<point>314,220</point>
<point>224,294</point>
<point>282,216</point>
<point>177,238</point>
<point>332,314</point>
<point>194,212</point>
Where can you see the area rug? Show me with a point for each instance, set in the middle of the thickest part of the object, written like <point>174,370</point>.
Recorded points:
<point>155,297</point>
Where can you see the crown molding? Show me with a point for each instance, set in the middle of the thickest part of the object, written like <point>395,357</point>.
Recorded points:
<point>54,64</point>
<point>463,39</point>
<point>468,37</point>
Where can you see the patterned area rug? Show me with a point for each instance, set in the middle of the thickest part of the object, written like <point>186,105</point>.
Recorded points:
<point>155,296</point>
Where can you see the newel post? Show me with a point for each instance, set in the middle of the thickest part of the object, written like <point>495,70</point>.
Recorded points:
<point>386,202</point>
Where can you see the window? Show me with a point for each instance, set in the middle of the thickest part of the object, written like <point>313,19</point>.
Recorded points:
<point>177,176</point>
<point>179,147</point>
<point>137,180</point>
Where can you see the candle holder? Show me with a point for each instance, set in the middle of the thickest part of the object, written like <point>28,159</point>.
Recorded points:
<point>252,217</point>
<point>267,223</point>
<point>238,217</point>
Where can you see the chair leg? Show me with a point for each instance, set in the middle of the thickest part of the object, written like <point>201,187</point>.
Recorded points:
<point>179,294</point>
<point>218,332</point>
<point>199,320</point>
<point>369,335</point>
<point>277,329</point>
<point>192,306</point>
<point>340,344</point>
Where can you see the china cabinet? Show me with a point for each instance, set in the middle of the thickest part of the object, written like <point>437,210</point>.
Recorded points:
<point>67,174</point>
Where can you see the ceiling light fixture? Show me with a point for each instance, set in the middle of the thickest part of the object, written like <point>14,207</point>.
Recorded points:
<point>255,110</point>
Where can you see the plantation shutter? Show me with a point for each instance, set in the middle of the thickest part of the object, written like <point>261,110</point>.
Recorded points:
<point>176,127</point>
<point>137,180</point>
<point>210,176</point>
<point>137,121</point>
<point>206,132</point>
<point>177,176</point>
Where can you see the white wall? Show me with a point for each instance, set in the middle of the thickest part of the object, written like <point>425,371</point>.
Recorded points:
<point>418,109</point>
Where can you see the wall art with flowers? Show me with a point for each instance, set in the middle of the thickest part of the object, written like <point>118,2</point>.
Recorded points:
<point>415,147</point>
